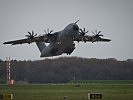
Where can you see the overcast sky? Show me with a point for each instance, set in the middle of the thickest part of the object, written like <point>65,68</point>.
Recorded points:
<point>113,17</point>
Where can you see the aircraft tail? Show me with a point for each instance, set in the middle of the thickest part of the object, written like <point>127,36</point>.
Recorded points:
<point>41,45</point>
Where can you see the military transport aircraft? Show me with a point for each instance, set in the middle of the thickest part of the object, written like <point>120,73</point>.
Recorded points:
<point>60,42</point>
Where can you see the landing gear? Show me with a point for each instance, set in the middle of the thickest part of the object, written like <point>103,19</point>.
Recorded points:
<point>70,49</point>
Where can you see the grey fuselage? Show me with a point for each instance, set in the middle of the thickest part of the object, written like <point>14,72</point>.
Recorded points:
<point>63,44</point>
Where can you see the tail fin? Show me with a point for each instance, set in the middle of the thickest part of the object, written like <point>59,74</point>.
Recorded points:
<point>41,45</point>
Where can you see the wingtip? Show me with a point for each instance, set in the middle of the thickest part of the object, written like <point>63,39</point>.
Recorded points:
<point>4,43</point>
<point>105,40</point>
<point>109,40</point>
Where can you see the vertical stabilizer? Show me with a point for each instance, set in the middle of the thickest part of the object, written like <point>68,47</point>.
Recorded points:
<point>41,45</point>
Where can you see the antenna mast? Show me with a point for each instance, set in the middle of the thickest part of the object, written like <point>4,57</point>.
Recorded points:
<point>8,70</point>
<point>8,73</point>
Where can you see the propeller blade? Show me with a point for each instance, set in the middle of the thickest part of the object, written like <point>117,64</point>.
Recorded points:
<point>51,31</point>
<point>45,31</point>
<point>48,30</point>
<point>84,30</point>
<point>100,35</point>
<point>81,30</point>
<point>32,33</point>
<point>96,31</point>
<point>27,36</point>
<point>35,34</point>
<point>29,33</point>
<point>93,32</point>
<point>99,32</point>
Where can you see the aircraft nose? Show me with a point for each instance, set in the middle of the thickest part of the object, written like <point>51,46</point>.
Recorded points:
<point>75,27</point>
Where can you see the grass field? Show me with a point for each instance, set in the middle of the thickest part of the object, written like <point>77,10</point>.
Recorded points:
<point>123,91</point>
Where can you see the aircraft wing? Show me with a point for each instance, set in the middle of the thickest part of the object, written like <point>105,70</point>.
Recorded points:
<point>27,40</point>
<point>21,41</point>
<point>87,38</point>
<point>32,38</point>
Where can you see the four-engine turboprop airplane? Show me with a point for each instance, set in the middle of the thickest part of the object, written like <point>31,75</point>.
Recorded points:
<point>60,42</point>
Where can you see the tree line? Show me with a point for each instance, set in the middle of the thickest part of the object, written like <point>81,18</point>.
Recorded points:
<point>62,70</point>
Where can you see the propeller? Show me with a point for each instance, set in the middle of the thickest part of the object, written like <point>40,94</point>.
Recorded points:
<point>83,32</point>
<point>31,35</point>
<point>97,35</point>
<point>48,31</point>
